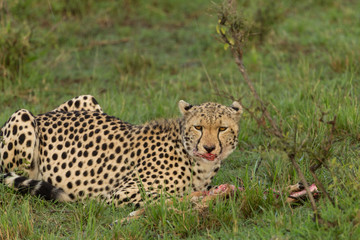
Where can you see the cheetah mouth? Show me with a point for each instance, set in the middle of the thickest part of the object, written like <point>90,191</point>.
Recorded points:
<point>208,156</point>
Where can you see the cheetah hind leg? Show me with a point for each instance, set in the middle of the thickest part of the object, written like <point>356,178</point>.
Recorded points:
<point>80,103</point>
<point>19,144</point>
<point>19,151</point>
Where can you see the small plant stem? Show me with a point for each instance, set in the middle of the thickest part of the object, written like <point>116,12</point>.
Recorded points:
<point>306,185</point>
<point>318,183</point>
<point>238,60</point>
<point>277,132</point>
<point>301,175</point>
<point>233,33</point>
<point>321,161</point>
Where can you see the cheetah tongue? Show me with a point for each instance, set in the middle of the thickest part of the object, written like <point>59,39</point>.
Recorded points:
<point>209,156</point>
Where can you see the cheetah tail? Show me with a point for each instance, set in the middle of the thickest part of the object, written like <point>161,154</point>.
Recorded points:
<point>40,188</point>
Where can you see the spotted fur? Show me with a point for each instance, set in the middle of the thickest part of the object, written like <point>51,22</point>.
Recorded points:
<point>77,151</point>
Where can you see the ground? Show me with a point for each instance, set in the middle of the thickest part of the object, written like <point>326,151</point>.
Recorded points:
<point>140,57</point>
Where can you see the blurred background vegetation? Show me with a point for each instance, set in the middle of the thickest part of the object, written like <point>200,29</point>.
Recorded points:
<point>139,57</point>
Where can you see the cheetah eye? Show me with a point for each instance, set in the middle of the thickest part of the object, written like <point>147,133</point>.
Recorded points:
<point>198,127</point>
<point>221,129</point>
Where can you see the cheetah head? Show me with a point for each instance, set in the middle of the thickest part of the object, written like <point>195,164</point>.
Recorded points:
<point>210,130</point>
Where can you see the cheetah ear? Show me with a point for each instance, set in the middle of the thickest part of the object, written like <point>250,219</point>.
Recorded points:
<point>184,107</point>
<point>237,107</point>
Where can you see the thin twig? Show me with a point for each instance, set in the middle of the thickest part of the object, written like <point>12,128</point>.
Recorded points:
<point>266,113</point>
<point>325,153</point>
<point>320,185</point>
<point>235,38</point>
<point>302,177</point>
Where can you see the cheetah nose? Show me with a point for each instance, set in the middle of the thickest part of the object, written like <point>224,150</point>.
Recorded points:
<point>209,149</point>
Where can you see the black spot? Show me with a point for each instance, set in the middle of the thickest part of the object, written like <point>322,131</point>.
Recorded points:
<point>104,147</point>
<point>94,153</point>
<point>138,152</point>
<point>58,179</point>
<point>14,130</point>
<point>25,117</point>
<point>77,104</point>
<point>94,101</point>
<point>21,138</point>
<point>117,150</point>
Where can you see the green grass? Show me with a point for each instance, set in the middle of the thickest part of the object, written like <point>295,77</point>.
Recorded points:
<point>139,58</point>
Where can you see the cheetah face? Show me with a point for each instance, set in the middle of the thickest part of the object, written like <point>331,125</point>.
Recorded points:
<point>210,130</point>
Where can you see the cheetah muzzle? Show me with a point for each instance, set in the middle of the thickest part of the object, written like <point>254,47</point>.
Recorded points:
<point>76,151</point>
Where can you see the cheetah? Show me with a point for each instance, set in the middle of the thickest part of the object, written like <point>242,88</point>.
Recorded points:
<point>76,151</point>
